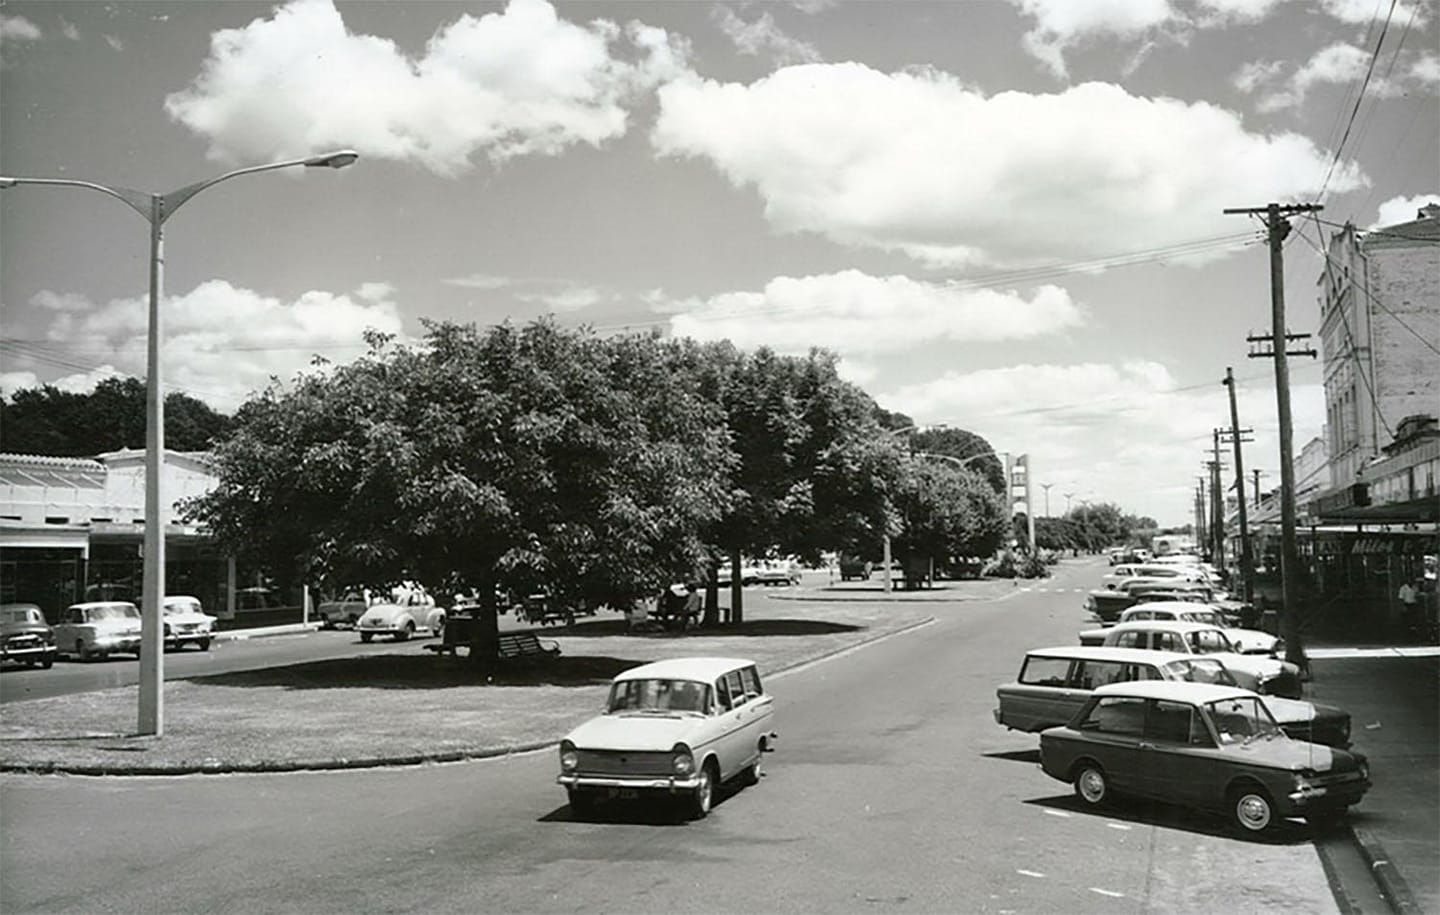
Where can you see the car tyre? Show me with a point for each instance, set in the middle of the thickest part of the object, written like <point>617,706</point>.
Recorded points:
<point>83,652</point>
<point>755,771</point>
<point>404,634</point>
<point>47,663</point>
<point>1091,785</point>
<point>1252,810</point>
<point>698,804</point>
<point>203,644</point>
<point>366,636</point>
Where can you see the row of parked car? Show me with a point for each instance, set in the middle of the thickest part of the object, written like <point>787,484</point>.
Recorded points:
<point>1173,701</point>
<point>96,629</point>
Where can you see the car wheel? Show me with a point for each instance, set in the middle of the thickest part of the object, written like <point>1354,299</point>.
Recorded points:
<point>204,644</point>
<point>755,771</point>
<point>404,634</point>
<point>704,793</point>
<point>1251,809</point>
<point>82,651</point>
<point>47,663</point>
<point>366,636</point>
<point>582,803</point>
<point>1091,785</point>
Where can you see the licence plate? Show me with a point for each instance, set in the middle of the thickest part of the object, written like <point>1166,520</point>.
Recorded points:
<point>624,794</point>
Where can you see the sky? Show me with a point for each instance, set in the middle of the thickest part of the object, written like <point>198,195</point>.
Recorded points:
<point>1002,215</point>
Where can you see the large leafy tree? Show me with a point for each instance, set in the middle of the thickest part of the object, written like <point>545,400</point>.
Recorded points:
<point>812,464</point>
<point>512,459</point>
<point>946,512</point>
<point>49,421</point>
<point>965,446</point>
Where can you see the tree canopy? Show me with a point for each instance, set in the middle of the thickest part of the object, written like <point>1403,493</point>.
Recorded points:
<point>47,420</point>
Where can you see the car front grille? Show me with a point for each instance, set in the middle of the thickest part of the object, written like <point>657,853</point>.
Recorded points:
<point>22,641</point>
<point>624,762</point>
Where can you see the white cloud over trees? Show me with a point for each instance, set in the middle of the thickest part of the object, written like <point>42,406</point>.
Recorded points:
<point>919,162</point>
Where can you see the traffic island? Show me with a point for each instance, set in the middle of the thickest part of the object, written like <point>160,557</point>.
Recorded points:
<point>397,706</point>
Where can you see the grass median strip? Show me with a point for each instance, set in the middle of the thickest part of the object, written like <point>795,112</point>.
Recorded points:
<point>401,703</point>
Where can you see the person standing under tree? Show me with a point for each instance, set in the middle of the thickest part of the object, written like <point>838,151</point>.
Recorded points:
<point>1410,606</point>
<point>694,606</point>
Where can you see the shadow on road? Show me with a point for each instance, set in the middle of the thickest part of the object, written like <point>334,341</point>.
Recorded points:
<point>1168,816</point>
<point>660,810</point>
<point>1025,756</point>
<point>406,671</point>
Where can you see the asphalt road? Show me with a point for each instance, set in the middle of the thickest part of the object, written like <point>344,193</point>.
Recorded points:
<point>893,790</point>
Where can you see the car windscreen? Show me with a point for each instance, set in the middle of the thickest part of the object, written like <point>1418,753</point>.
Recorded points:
<point>112,612</point>
<point>1200,670</point>
<point>1242,719</point>
<point>658,695</point>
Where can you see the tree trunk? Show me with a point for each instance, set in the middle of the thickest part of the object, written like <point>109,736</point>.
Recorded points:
<point>712,597</point>
<point>737,591</point>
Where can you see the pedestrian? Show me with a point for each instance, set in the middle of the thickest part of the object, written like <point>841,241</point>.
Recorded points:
<point>694,606</point>
<point>1410,606</point>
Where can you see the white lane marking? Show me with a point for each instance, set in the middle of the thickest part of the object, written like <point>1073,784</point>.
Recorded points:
<point>1026,873</point>
<point>1117,826</point>
<point>1111,893</point>
<point>1058,813</point>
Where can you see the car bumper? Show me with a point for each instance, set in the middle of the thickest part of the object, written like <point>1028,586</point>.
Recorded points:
<point>180,638</point>
<point>670,784</point>
<point>27,653</point>
<point>1326,797</point>
<point>122,645</point>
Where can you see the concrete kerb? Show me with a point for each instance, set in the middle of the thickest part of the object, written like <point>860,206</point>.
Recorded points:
<point>375,762</point>
<point>240,635</point>
<point>1387,876</point>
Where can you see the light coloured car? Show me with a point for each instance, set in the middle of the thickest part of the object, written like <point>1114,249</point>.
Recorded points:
<point>344,610</point>
<point>1054,683</point>
<point>1273,677</point>
<point>186,622</point>
<point>25,637</point>
<point>677,728</point>
<point>1246,641</point>
<point>401,621</point>
<point>1204,747</point>
<point>97,629</point>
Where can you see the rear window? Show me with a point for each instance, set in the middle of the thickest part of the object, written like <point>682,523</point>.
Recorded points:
<point>1099,673</point>
<point>1042,671</point>
<point>1116,715</point>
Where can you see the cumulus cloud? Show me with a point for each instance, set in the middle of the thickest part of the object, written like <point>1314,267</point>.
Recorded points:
<point>764,36</point>
<point>1402,209</point>
<point>1362,12</point>
<point>1060,24</point>
<point>853,313</point>
<point>223,342</point>
<point>18,28</point>
<point>918,162</point>
<point>1123,432</point>
<point>569,298</point>
<point>514,83</point>
<point>1336,63</point>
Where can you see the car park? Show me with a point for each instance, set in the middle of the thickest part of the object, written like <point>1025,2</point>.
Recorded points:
<point>673,729</point>
<point>97,629</point>
<point>186,622</point>
<point>25,637</point>
<point>401,621</point>
<point>1201,746</point>
<point>1246,641</point>
<point>1053,683</point>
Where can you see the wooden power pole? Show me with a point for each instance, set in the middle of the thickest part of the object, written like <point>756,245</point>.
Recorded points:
<point>1277,227</point>
<point>1247,565</point>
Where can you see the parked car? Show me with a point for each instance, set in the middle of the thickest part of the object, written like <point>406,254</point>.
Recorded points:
<point>97,629</point>
<point>345,610</point>
<point>1246,641</point>
<point>25,637</point>
<point>186,622</point>
<point>675,728</point>
<point>853,568</point>
<point>401,621</point>
<point>1273,677</point>
<point>1108,604</point>
<point>1202,746</point>
<point>1054,682</point>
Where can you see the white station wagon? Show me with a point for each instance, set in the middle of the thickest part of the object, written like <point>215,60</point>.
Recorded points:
<point>675,728</point>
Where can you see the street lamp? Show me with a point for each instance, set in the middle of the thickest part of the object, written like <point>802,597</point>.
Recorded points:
<point>155,209</point>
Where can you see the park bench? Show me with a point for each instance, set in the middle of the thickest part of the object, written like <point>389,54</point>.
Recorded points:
<point>512,646</point>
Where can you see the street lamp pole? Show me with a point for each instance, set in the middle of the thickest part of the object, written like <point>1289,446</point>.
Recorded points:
<point>1046,487</point>
<point>155,209</point>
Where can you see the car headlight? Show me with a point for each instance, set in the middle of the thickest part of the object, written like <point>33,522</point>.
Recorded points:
<point>1364,769</point>
<point>1345,727</point>
<point>569,756</point>
<point>681,761</point>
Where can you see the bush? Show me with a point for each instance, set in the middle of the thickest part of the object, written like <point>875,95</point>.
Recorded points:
<point>1013,565</point>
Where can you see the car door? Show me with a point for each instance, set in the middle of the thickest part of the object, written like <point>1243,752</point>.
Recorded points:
<point>730,730</point>
<point>758,719</point>
<point>1114,728</point>
<point>1042,696</point>
<point>1175,765</point>
<point>66,631</point>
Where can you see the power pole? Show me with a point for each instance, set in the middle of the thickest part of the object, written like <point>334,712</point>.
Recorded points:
<point>1247,567</point>
<point>1277,227</point>
<point>1256,471</point>
<point>1201,528</point>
